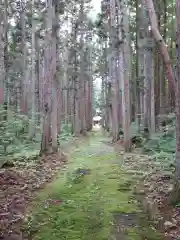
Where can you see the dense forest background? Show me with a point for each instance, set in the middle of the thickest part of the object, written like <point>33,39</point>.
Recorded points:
<point>52,55</point>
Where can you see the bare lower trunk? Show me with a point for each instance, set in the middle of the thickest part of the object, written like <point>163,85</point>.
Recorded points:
<point>153,125</point>
<point>54,130</point>
<point>46,131</point>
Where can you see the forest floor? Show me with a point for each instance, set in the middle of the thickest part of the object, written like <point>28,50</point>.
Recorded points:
<point>97,194</point>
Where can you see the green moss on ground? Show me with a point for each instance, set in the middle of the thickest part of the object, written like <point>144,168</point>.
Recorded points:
<point>87,202</point>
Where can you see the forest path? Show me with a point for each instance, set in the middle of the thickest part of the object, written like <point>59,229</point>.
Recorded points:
<point>91,198</point>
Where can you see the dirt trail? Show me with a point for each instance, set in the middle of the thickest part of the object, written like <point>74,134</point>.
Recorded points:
<point>104,168</point>
<point>101,167</point>
<point>121,221</point>
<point>136,167</point>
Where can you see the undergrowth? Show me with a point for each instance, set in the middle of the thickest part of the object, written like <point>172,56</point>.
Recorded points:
<point>15,142</point>
<point>161,145</point>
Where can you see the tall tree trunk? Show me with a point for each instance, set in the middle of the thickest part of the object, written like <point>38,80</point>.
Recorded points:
<point>6,60</point>
<point>138,47</point>
<point>24,65</point>
<point>66,83</point>
<point>33,76</point>
<point>160,41</point>
<point>176,195</point>
<point>163,102</point>
<point>147,73</point>
<point>141,38</point>
<point>54,113</point>
<point>38,79</point>
<point>48,79</point>
<point>114,86</point>
<point>153,124</point>
<point>89,90</point>
<point>81,74</point>
<point>157,68</point>
<point>110,93</point>
<point>2,44</point>
<point>127,70</point>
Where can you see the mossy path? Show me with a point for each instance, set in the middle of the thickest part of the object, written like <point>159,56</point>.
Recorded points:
<point>91,199</point>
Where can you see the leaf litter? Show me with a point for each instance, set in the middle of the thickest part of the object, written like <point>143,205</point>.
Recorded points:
<point>17,185</point>
<point>153,189</point>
